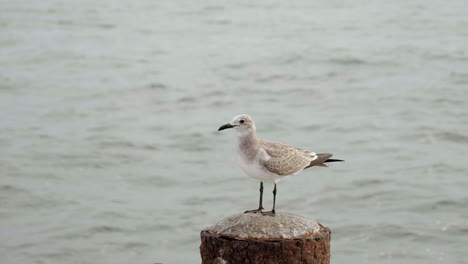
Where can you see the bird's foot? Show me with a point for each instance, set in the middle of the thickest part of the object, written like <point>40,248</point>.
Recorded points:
<point>270,213</point>
<point>259,210</point>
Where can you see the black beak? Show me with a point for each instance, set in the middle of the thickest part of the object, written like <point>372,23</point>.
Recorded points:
<point>226,126</point>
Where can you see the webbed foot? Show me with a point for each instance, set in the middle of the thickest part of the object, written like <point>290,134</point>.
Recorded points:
<point>259,210</point>
<point>270,213</point>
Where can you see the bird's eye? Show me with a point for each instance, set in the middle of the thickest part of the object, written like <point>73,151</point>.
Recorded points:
<point>242,121</point>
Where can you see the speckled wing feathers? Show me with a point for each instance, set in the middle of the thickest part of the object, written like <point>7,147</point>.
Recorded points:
<point>285,160</point>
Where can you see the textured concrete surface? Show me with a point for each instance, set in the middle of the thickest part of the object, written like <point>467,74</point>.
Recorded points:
<point>256,225</point>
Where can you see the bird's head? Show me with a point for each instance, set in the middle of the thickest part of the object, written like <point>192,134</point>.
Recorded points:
<point>242,123</point>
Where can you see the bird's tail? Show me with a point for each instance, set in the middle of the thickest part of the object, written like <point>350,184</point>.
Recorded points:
<point>322,159</point>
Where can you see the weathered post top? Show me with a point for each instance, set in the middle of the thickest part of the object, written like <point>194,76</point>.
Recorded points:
<point>258,226</point>
<point>257,238</point>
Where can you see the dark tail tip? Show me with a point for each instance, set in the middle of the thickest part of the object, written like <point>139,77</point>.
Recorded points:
<point>333,160</point>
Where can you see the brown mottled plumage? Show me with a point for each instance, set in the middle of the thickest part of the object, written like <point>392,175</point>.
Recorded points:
<point>286,160</point>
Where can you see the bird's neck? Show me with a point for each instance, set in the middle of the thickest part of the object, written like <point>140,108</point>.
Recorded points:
<point>248,144</point>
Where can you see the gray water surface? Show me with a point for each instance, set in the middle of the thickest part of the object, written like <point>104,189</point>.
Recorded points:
<point>108,145</point>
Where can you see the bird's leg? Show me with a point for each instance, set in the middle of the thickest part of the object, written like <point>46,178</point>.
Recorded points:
<point>260,203</point>
<point>272,212</point>
<point>260,206</point>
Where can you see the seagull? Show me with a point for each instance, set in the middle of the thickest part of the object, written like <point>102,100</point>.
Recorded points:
<point>270,161</point>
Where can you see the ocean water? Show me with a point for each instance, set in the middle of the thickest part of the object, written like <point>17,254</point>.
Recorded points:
<point>109,109</point>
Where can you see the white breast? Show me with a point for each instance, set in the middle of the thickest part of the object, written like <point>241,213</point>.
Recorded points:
<point>254,169</point>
